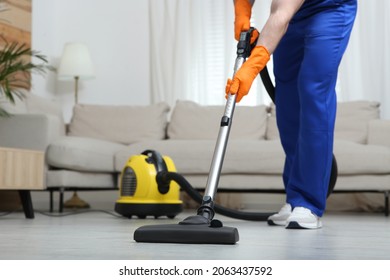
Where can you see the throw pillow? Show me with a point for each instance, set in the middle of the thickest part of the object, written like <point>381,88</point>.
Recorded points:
<point>120,124</point>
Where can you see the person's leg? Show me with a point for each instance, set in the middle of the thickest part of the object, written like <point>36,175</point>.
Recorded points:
<point>287,59</point>
<point>327,35</point>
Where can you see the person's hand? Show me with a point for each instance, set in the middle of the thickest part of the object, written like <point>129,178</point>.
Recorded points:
<point>243,12</point>
<point>243,79</point>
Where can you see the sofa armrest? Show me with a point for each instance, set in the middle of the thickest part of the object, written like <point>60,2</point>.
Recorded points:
<point>379,133</point>
<point>30,131</point>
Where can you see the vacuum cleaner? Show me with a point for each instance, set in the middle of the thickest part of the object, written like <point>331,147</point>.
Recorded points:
<point>201,228</point>
<point>140,195</point>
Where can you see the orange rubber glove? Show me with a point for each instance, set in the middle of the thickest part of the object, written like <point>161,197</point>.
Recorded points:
<point>243,12</point>
<point>244,77</point>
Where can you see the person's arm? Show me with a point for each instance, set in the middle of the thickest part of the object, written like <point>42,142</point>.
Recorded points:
<point>250,1</point>
<point>282,12</point>
<point>242,16</point>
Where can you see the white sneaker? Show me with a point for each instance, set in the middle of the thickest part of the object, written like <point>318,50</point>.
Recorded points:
<point>280,218</point>
<point>303,218</point>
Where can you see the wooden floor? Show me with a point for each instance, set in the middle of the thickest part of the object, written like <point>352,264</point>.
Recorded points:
<point>98,235</point>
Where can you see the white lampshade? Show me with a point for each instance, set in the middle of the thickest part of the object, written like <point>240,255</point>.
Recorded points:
<point>76,62</point>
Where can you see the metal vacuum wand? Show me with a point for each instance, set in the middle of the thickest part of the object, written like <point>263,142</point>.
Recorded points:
<point>202,228</point>
<point>206,209</point>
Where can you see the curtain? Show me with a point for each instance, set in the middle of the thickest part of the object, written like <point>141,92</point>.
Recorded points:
<point>189,44</point>
<point>365,69</point>
<point>193,51</point>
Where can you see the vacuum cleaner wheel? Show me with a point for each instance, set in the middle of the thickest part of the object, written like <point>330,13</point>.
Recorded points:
<point>143,210</point>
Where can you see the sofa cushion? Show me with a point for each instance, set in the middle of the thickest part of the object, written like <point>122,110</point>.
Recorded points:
<point>194,156</point>
<point>190,120</point>
<point>360,159</point>
<point>120,124</point>
<point>39,104</point>
<point>256,157</point>
<point>49,106</point>
<point>80,179</point>
<point>352,120</point>
<point>379,133</point>
<point>82,154</point>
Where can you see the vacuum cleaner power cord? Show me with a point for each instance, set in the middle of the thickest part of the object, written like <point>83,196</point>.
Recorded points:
<point>164,177</point>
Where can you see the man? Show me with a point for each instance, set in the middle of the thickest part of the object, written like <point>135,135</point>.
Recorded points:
<point>307,39</point>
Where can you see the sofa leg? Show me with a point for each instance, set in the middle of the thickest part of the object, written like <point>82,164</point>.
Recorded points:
<point>51,201</point>
<point>386,203</point>
<point>61,206</point>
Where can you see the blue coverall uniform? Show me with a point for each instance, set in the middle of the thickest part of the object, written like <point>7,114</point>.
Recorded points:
<point>306,63</point>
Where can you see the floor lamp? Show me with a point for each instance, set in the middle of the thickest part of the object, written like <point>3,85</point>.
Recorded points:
<point>76,64</point>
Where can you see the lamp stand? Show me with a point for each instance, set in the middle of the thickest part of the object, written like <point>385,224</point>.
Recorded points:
<point>76,89</point>
<point>75,201</point>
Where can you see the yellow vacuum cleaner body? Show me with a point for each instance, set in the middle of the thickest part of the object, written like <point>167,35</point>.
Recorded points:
<point>140,193</point>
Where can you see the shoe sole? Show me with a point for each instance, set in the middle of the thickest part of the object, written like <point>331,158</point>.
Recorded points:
<point>296,225</point>
<point>272,223</point>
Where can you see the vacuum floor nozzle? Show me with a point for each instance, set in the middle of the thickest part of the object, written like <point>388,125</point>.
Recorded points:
<point>189,234</point>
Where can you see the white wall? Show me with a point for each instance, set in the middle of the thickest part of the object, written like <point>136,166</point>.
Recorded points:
<point>116,33</point>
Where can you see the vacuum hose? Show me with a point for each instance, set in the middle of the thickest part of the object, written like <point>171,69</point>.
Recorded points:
<point>195,195</point>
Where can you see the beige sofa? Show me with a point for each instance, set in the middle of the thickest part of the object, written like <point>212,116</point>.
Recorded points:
<point>101,138</point>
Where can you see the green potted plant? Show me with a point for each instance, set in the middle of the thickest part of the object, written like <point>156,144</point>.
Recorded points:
<point>16,67</point>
